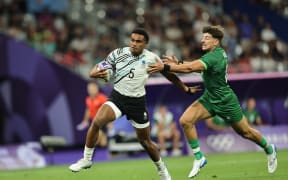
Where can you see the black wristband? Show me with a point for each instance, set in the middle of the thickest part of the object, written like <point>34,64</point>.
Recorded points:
<point>166,68</point>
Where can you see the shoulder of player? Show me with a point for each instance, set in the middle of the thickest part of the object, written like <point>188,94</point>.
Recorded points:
<point>116,53</point>
<point>149,53</point>
<point>119,51</point>
<point>219,51</point>
<point>216,53</point>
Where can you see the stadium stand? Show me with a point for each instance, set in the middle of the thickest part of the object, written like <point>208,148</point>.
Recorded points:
<point>79,34</point>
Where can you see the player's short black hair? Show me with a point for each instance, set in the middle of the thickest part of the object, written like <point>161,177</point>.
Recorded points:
<point>142,32</point>
<point>215,31</point>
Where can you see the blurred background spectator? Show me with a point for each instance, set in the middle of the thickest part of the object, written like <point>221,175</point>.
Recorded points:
<point>93,102</point>
<point>251,112</point>
<point>164,129</point>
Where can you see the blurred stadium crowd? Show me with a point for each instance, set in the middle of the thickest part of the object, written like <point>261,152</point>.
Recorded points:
<point>279,6</point>
<point>78,34</point>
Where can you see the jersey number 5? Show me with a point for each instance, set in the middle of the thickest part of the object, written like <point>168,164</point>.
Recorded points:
<point>131,73</point>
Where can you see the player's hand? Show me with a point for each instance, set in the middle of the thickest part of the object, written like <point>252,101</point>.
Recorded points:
<point>155,67</point>
<point>192,90</point>
<point>97,73</point>
<point>170,59</point>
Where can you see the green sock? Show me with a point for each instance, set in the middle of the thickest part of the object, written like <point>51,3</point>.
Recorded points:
<point>267,147</point>
<point>194,144</point>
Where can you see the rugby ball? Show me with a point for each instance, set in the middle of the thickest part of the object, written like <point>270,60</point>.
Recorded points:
<point>109,69</point>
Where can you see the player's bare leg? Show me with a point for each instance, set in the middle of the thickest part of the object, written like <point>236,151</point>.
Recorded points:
<point>143,135</point>
<point>102,139</point>
<point>103,116</point>
<point>246,131</point>
<point>192,114</point>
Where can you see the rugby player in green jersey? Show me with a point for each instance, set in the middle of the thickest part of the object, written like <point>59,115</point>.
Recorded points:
<point>217,99</point>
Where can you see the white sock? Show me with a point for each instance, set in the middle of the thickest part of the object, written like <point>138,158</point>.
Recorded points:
<point>88,153</point>
<point>160,164</point>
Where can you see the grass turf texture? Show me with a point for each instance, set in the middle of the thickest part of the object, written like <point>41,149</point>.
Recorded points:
<point>234,166</point>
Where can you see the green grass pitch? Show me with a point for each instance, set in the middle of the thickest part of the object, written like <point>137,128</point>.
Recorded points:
<point>231,166</point>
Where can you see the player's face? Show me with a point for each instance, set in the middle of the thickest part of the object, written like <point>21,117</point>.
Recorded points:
<point>208,42</point>
<point>137,44</point>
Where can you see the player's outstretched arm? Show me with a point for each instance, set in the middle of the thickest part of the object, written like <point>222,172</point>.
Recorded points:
<point>170,65</point>
<point>175,80</point>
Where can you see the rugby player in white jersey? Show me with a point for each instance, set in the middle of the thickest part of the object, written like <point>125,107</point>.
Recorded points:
<point>128,98</point>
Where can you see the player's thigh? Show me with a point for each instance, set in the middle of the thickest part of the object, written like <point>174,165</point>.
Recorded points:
<point>143,134</point>
<point>195,112</point>
<point>104,115</point>
<point>241,126</point>
<point>230,110</point>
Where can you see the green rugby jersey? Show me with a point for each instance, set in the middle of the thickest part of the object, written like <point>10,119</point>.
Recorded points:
<point>215,75</point>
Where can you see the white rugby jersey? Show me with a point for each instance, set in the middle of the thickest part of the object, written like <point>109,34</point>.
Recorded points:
<point>130,72</point>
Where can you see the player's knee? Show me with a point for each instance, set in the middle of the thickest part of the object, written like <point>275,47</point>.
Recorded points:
<point>95,125</point>
<point>182,121</point>
<point>145,143</point>
<point>185,122</point>
<point>100,121</point>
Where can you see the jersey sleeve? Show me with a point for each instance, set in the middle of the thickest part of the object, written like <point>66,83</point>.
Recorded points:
<point>209,60</point>
<point>111,58</point>
<point>157,58</point>
<point>152,57</point>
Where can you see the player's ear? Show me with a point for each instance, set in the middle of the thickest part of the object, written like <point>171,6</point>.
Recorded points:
<point>216,42</point>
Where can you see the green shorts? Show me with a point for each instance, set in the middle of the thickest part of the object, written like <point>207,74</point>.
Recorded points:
<point>230,109</point>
